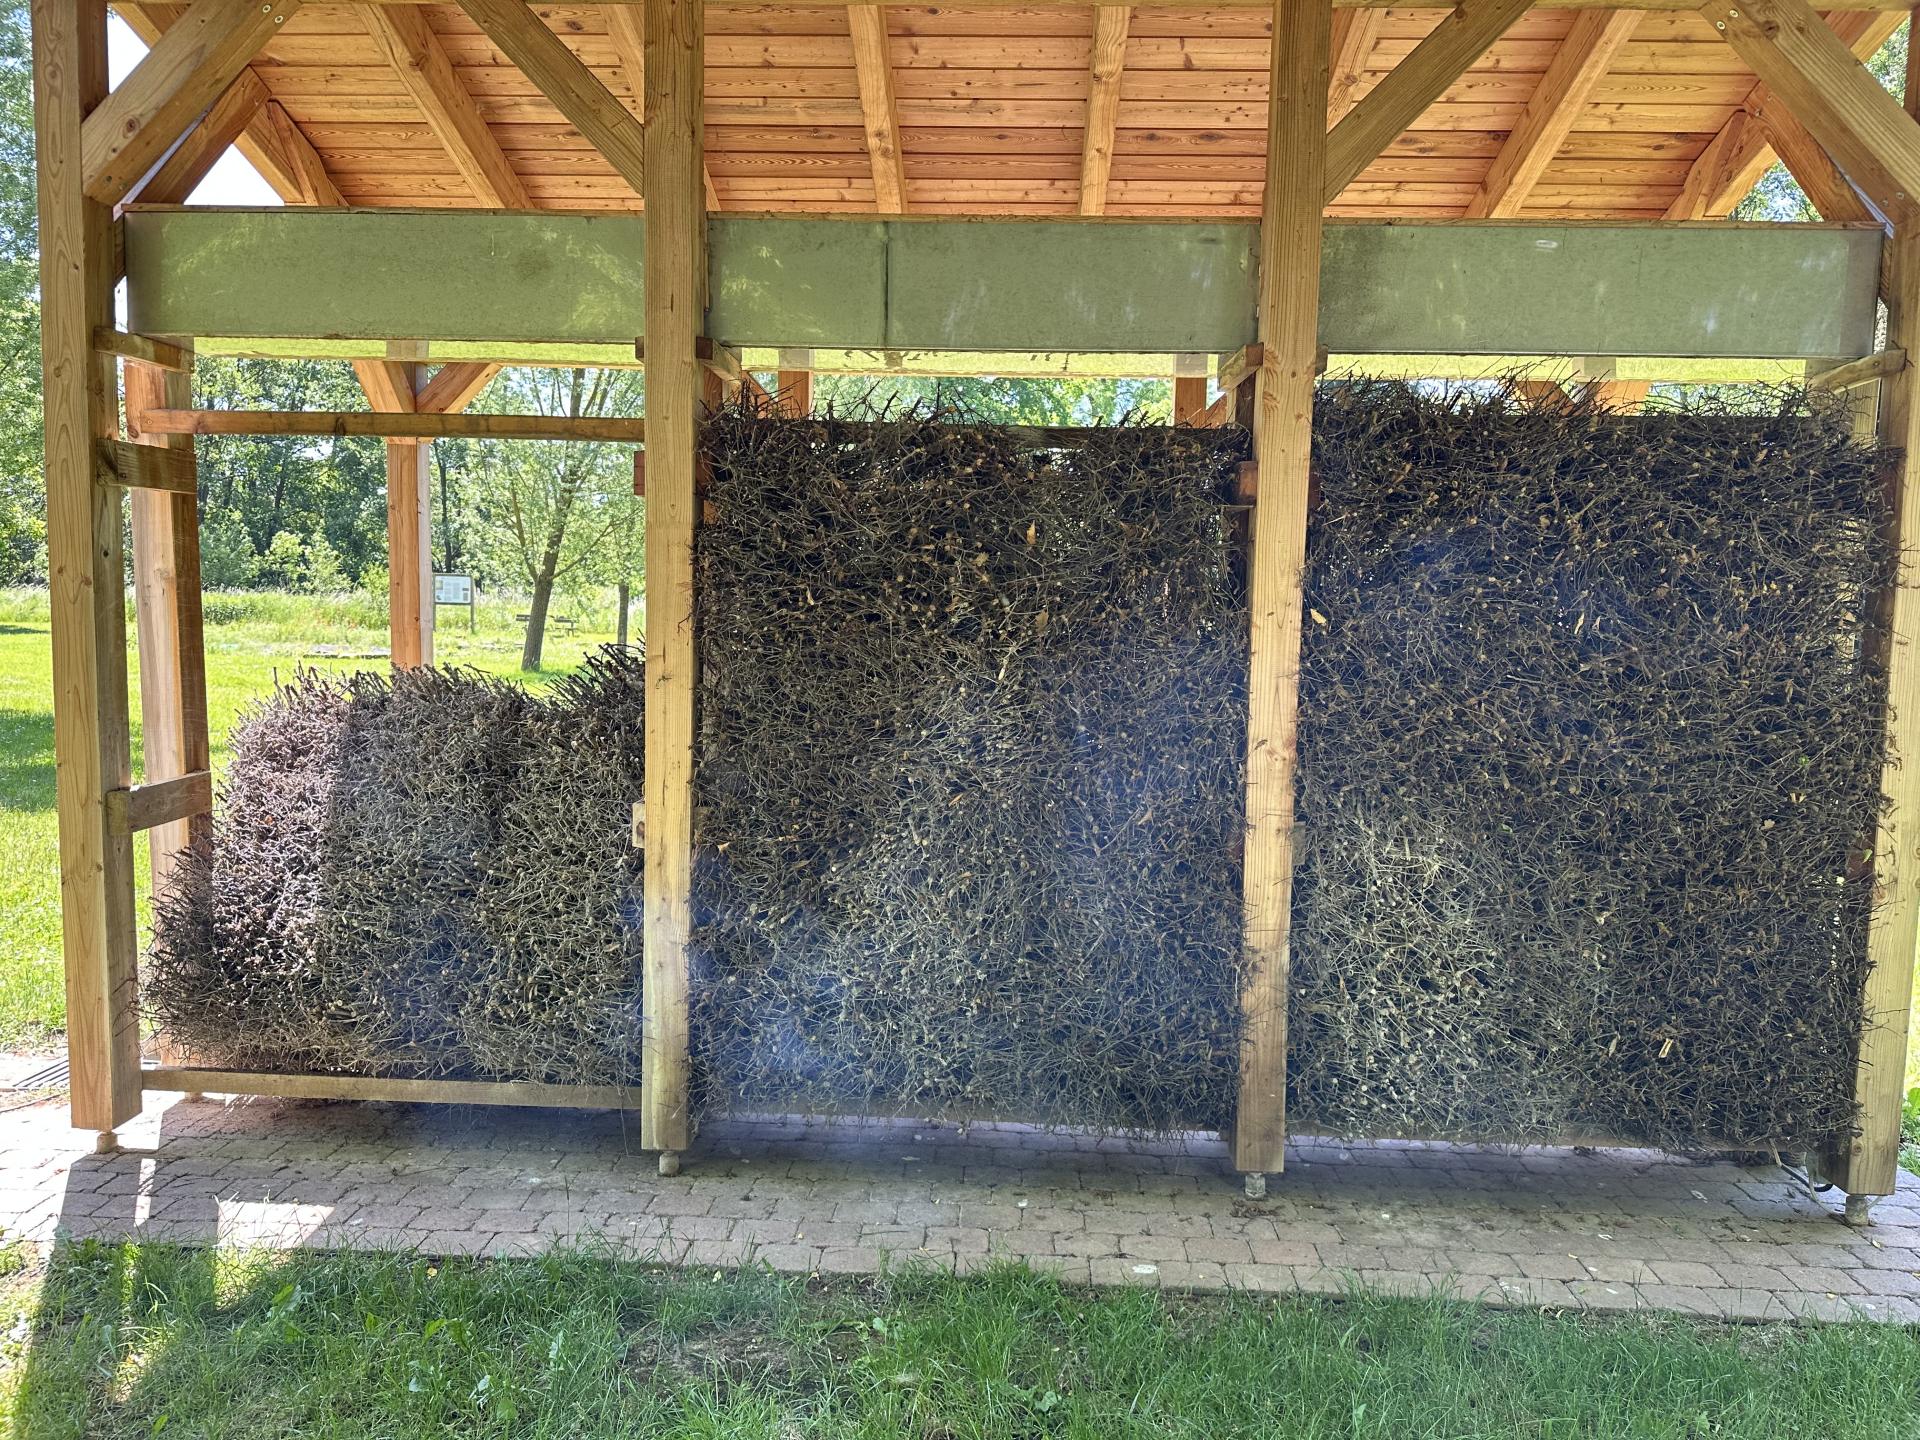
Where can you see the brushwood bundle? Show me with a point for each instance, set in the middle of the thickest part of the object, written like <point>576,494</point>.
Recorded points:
<point>420,876</point>
<point>1590,742</point>
<point>968,783</point>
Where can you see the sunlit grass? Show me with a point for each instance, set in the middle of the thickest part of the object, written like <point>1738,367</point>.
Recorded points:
<point>125,1340</point>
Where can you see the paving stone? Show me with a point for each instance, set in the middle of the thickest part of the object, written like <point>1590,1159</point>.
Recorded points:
<point>1614,1231</point>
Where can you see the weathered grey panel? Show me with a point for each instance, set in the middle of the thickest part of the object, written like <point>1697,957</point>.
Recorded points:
<point>387,274</point>
<point>1609,289</point>
<point>1492,288</point>
<point>1069,285</point>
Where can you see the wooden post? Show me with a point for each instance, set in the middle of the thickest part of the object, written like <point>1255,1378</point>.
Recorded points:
<point>675,32</point>
<point>1282,445</point>
<point>1869,1164</point>
<point>409,554</point>
<point>84,560</point>
<point>1189,398</point>
<point>166,594</point>
<point>794,388</point>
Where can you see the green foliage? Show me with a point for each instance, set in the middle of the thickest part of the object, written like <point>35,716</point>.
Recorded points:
<point>1004,401</point>
<point>141,1340</point>
<point>22,527</point>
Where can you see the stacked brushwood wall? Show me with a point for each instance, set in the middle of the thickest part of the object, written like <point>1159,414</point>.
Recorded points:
<point>1589,758</point>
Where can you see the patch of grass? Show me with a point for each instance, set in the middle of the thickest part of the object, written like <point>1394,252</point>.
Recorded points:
<point>253,640</point>
<point>133,1340</point>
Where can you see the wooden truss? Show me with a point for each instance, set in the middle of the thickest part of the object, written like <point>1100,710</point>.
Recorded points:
<point>154,137</point>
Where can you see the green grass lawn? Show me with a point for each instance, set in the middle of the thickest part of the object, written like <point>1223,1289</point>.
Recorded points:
<point>151,1340</point>
<point>252,642</point>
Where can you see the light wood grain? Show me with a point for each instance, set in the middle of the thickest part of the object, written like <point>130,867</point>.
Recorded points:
<point>675,311</point>
<point>879,108</point>
<point>392,426</point>
<point>1105,66</point>
<point>202,1080</point>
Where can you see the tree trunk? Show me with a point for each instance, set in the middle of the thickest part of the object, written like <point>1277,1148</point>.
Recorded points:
<point>537,611</point>
<point>626,595</point>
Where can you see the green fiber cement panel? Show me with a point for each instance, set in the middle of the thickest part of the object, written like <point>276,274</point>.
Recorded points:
<point>1117,287</point>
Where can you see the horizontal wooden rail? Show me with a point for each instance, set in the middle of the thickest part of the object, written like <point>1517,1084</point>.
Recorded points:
<point>147,467</point>
<point>159,802</point>
<point>196,1080</point>
<point>1860,372</point>
<point>391,426</point>
<point>1877,5</point>
<point>144,348</point>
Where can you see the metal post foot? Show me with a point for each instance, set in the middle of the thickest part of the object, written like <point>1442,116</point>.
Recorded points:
<point>105,1142</point>
<point>1256,1184</point>
<point>1860,1210</point>
<point>669,1162</point>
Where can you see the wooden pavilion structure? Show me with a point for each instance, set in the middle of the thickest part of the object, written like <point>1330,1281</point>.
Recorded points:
<point>1222,191</point>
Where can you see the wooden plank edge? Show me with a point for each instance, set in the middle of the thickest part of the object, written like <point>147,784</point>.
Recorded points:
<point>1864,371</point>
<point>147,467</point>
<point>160,802</point>
<point>199,1080</point>
<point>390,425</point>
<point>162,354</point>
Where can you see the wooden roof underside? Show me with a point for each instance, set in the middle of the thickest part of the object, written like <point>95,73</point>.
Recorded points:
<point>992,107</point>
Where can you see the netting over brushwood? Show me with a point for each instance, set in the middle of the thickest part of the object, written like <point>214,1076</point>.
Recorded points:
<point>428,875</point>
<point>1586,738</point>
<point>968,783</point>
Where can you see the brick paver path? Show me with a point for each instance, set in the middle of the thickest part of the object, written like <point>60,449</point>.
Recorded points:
<point>1615,1231</point>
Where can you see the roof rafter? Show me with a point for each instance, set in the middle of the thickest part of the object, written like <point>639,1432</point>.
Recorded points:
<point>1103,104</point>
<point>1823,83</point>
<point>197,153</point>
<point>564,79</point>
<point>873,70</point>
<point>624,26</point>
<point>406,38</point>
<point>1812,168</point>
<point>1580,63</point>
<point>454,387</point>
<point>1738,155</point>
<point>1354,32</point>
<point>1391,107</point>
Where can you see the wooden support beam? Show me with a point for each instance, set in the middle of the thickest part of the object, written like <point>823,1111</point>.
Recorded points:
<point>1812,168</point>
<point>1354,34</point>
<point>564,78</point>
<point>1879,366</point>
<point>180,174</point>
<point>630,46</point>
<point>162,354</point>
<point>200,1080</point>
<point>1628,396</point>
<point>175,743</point>
<point>1240,365</point>
<point>873,72</point>
<point>676,271</point>
<point>794,390</point>
<point>1391,107</point>
<point>454,387</point>
<point>388,384</point>
<point>161,803</point>
<point>1103,104</point>
<point>1189,398</point>
<point>392,426</point>
<point>84,564</point>
<point>1580,64</point>
<point>406,38</point>
<point>133,128</point>
<point>1826,87</point>
<point>1297,159</point>
<point>409,555</point>
<point>147,467</point>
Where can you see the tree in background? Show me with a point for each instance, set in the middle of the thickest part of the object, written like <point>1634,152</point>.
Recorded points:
<point>552,514</point>
<point>22,503</point>
<point>1004,401</point>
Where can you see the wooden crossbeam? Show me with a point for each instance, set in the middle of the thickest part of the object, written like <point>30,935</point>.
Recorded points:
<point>196,155</point>
<point>1811,70</point>
<point>873,72</point>
<point>1731,164</point>
<point>391,426</point>
<point>629,45</point>
<point>203,1080</point>
<point>1402,97</point>
<point>1289,311</point>
<point>1579,65</point>
<point>161,354</point>
<point>1878,366</point>
<point>1354,33</point>
<point>147,467</point>
<point>794,390</point>
<point>142,807</point>
<point>388,384</point>
<point>561,76</point>
<point>408,41</point>
<point>454,387</point>
<point>1103,104</point>
<point>130,131</point>
<point>1812,168</point>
